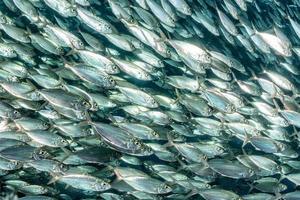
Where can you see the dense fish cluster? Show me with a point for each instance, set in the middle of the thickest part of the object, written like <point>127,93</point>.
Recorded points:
<point>149,99</point>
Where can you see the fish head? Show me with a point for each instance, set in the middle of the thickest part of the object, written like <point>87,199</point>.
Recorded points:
<point>230,108</point>
<point>60,168</point>
<point>112,69</point>
<point>101,186</point>
<point>88,131</point>
<point>146,150</point>
<point>61,142</point>
<point>110,82</point>
<point>187,10</point>
<point>164,188</point>
<point>78,44</point>
<point>44,126</point>
<point>155,134</point>
<point>151,102</point>
<point>14,164</point>
<point>40,154</point>
<point>81,105</point>
<point>14,114</point>
<point>72,11</point>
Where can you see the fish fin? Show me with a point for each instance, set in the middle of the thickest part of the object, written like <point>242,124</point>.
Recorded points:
<point>43,105</point>
<point>200,84</point>
<point>278,196</point>
<point>66,187</point>
<point>246,140</point>
<point>67,152</point>
<point>84,123</point>
<point>277,108</point>
<point>271,30</point>
<point>263,70</point>
<point>191,193</point>
<point>169,143</point>
<point>118,178</point>
<point>182,165</point>
<point>294,131</point>
<point>111,117</point>
<point>52,128</point>
<point>88,116</point>
<point>282,176</point>
<point>71,52</point>
<point>251,187</point>
<point>29,32</point>
<point>254,77</point>
<point>54,178</point>
<point>178,96</point>
<point>234,78</point>
<point>31,84</point>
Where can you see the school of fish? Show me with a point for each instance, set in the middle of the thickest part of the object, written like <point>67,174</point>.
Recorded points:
<point>149,99</point>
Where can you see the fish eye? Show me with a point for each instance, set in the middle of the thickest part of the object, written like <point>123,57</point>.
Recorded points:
<point>81,43</point>
<point>281,146</point>
<point>168,52</point>
<point>155,134</point>
<point>82,113</point>
<point>95,105</point>
<point>60,49</point>
<point>175,135</point>
<point>207,57</point>
<point>107,27</point>
<point>89,131</point>
<point>219,148</point>
<point>16,113</point>
<point>114,67</point>
<point>160,62</point>
<point>42,152</point>
<point>15,162</point>
<point>103,184</point>
<point>131,20</point>
<point>166,187</point>
<point>208,110</point>
<point>64,141</point>
<point>172,20</point>
<point>73,10</point>
<point>188,9</point>
<point>283,186</point>
<point>86,104</point>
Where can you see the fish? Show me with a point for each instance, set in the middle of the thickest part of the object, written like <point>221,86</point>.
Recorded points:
<point>149,99</point>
